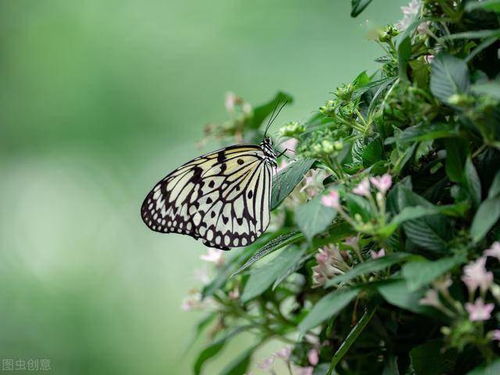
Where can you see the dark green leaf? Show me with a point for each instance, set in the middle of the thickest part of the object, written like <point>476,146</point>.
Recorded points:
<point>328,306</point>
<point>264,276</point>
<point>261,112</point>
<point>422,272</point>
<point>429,359</point>
<point>240,364</point>
<point>391,366</point>
<point>271,246</point>
<point>492,368</point>
<point>369,266</point>
<point>492,5</point>
<point>427,133</point>
<point>372,152</point>
<point>313,217</point>
<point>286,180</point>
<point>357,6</point>
<point>473,182</point>
<point>486,216</point>
<point>449,76</point>
<point>404,53</point>
<point>456,151</point>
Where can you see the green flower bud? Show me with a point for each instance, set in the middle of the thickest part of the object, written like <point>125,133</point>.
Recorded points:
<point>338,145</point>
<point>327,147</point>
<point>344,92</point>
<point>461,100</point>
<point>292,129</point>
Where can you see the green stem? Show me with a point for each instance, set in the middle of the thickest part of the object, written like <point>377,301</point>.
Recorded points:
<point>353,335</point>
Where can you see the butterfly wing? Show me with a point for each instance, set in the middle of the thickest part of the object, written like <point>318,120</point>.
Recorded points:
<point>221,198</point>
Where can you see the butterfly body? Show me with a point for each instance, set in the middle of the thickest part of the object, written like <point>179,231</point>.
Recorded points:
<point>221,198</point>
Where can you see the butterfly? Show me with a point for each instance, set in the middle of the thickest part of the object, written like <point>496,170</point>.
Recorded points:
<point>221,198</point>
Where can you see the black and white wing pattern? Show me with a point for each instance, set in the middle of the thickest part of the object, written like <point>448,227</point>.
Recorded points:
<point>221,198</point>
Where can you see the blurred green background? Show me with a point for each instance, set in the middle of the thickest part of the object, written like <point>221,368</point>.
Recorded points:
<point>98,101</point>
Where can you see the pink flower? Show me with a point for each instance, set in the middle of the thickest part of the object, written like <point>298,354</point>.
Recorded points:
<point>305,370</point>
<point>352,241</point>
<point>475,275</point>
<point>493,251</point>
<point>428,58</point>
<point>313,182</point>
<point>431,298</point>
<point>478,311</point>
<point>289,144</point>
<point>363,188</point>
<point>266,364</point>
<point>284,353</point>
<point>377,254</point>
<point>230,101</point>
<point>409,13</point>
<point>495,335</point>
<point>194,302</point>
<point>332,199</point>
<point>382,183</point>
<point>313,357</point>
<point>282,166</point>
<point>213,256</point>
<point>329,265</point>
<point>234,294</point>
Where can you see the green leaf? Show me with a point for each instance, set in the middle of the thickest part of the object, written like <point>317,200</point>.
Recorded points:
<point>286,180</point>
<point>313,217</point>
<point>214,348</point>
<point>391,366</point>
<point>491,5</point>
<point>473,182</point>
<point>426,133</point>
<point>429,359</point>
<point>369,266</point>
<point>477,34</point>
<point>411,213</point>
<point>422,272</point>
<point>240,364</point>
<point>404,53</point>
<point>492,368</point>
<point>328,306</point>
<point>263,277</point>
<point>200,326</point>
<point>486,216</point>
<point>357,6</point>
<point>495,186</point>
<point>491,88</point>
<point>351,338</point>
<point>372,152</point>
<point>449,76</point>
<point>270,247</point>
<point>397,293</point>
<point>456,151</point>
<point>261,112</point>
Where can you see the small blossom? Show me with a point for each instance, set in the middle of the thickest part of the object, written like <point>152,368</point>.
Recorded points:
<point>409,13</point>
<point>423,27</point>
<point>428,58</point>
<point>194,302</point>
<point>332,199</point>
<point>431,298</point>
<point>442,284</point>
<point>330,262</point>
<point>313,182</point>
<point>201,274</point>
<point>363,188</point>
<point>382,183</point>
<point>282,166</point>
<point>304,370</point>
<point>495,335</point>
<point>266,364</point>
<point>493,251</point>
<point>313,357</point>
<point>231,100</point>
<point>234,294</point>
<point>352,241</point>
<point>479,311</point>
<point>377,254</point>
<point>213,256</point>
<point>475,275</point>
<point>284,353</point>
<point>290,144</point>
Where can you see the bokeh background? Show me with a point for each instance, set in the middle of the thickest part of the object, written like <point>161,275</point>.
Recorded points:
<point>99,100</point>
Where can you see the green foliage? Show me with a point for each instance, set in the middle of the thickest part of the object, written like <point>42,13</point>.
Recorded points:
<point>384,219</point>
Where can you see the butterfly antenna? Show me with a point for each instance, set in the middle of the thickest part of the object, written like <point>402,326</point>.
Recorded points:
<point>275,114</point>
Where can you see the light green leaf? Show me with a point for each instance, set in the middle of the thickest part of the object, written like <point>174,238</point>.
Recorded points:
<point>495,186</point>
<point>357,6</point>
<point>492,368</point>
<point>486,216</point>
<point>286,180</point>
<point>422,272</point>
<point>370,266</point>
<point>449,76</point>
<point>427,133</point>
<point>491,88</point>
<point>240,364</point>
<point>270,247</point>
<point>313,217</point>
<point>263,277</point>
<point>328,306</point>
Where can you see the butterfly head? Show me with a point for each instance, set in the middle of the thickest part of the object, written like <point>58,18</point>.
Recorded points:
<point>268,149</point>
